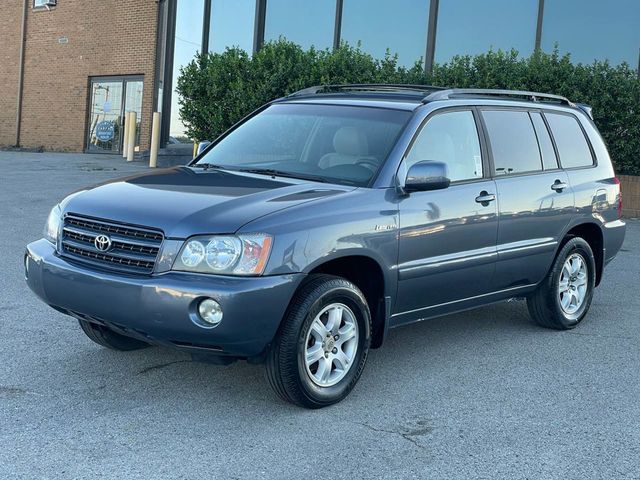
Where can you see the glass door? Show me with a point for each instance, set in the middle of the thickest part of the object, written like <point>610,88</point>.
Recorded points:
<point>110,99</point>
<point>133,103</point>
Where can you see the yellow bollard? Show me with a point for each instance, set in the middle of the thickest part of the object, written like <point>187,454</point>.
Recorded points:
<point>155,140</point>
<point>195,149</point>
<point>131,141</point>
<point>125,135</point>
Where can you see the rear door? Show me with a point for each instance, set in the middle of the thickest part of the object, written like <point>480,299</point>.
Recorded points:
<point>536,201</point>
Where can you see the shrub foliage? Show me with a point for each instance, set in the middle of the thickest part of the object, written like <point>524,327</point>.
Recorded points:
<point>217,90</point>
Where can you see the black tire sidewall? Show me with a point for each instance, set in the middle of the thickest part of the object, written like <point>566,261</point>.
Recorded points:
<point>580,246</point>
<point>356,302</point>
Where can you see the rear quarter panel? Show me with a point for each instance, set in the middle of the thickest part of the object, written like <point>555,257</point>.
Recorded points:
<point>597,193</point>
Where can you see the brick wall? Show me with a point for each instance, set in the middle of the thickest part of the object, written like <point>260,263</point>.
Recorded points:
<point>10,25</point>
<point>109,37</point>
<point>630,186</point>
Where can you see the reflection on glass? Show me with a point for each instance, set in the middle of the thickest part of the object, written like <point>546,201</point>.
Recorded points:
<point>513,141</point>
<point>232,24</point>
<point>467,28</point>
<point>400,26</point>
<point>133,103</point>
<point>107,109</point>
<point>105,126</point>
<point>311,25</point>
<point>593,29</point>
<point>188,42</point>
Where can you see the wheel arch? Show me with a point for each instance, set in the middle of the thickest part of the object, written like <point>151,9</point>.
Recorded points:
<point>591,233</point>
<point>368,274</point>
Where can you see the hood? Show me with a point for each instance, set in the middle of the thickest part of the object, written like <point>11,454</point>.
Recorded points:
<point>185,201</point>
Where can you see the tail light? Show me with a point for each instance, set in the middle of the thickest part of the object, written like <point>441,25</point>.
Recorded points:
<point>616,180</point>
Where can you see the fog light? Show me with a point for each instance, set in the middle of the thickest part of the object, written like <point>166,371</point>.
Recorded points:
<point>210,312</point>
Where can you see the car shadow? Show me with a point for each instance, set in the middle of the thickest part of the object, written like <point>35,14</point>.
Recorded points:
<point>158,375</point>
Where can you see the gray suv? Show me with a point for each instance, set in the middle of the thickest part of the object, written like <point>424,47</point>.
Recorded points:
<point>307,231</point>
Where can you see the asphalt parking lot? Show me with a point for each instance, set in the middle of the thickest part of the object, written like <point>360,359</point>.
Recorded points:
<point>482,394</point>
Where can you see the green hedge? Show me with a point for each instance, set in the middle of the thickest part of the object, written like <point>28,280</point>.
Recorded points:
<point>217,90</point>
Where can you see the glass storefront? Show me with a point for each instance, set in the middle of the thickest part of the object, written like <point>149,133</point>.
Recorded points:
<point>187,42</point>
<point>312,25</point>
<point>463,28</point>
<point>232,24</point>
<point>110,99</point>
<point>593,29</point>
<point>379,25</point>
<point>588,29</point>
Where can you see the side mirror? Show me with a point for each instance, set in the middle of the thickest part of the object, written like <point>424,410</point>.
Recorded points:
<point>427,175</point>
<point>202,146</point>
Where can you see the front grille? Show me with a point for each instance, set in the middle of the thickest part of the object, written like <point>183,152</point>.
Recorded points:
<point>133,249</point>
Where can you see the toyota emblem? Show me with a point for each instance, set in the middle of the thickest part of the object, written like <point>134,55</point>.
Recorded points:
<point>102,243</point>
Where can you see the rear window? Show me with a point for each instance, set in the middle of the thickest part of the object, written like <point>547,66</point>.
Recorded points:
<point>573,148</point>
<point>513,142</point>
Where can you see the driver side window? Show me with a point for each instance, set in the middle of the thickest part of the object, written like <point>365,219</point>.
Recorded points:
<point>452,138</point>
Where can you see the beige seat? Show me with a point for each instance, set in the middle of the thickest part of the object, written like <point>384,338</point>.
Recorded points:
<point>350,144</point>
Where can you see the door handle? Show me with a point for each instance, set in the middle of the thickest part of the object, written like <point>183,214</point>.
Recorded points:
<point>558,186</point>
<point>485,197</point>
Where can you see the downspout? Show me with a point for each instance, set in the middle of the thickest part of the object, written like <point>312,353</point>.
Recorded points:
<point>21,71</point>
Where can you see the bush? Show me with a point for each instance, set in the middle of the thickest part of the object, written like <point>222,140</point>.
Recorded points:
<point>217,90</point>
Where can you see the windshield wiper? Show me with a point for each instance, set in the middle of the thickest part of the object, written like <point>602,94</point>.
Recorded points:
<point>207,166</point>
<point>282,173</point>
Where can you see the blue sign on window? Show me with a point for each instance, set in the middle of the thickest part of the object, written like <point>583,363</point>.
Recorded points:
<point>105,131</point>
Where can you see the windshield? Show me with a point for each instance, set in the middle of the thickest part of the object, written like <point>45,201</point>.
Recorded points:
<point>338,144</point>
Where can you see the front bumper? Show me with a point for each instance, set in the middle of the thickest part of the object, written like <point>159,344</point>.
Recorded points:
<point>159,308</point>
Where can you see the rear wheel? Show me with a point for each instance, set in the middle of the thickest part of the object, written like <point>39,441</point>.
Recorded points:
<point>108,338</point>
<point>322,346</point>
<point>563,298</point>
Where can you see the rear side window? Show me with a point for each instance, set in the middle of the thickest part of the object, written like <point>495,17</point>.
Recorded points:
<point>573,148</point>
<point>513,142</point>
<point>549,158</point>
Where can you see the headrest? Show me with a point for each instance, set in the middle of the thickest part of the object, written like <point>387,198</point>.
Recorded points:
<point>350,141</point>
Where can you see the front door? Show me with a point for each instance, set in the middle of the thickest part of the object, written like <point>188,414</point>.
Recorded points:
<point>447,237</point>
<point>110,98</point>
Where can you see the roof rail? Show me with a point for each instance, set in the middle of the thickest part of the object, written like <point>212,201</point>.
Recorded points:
<point>366,87</point>
<point>480,92</point>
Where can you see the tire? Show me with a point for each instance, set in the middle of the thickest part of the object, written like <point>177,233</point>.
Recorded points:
<point>108,338</point>
<point>324,299</point>
<point>546,303</point>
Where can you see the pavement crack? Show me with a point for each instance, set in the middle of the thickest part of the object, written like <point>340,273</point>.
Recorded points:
<point>408,435</point>
<point>161,365</point>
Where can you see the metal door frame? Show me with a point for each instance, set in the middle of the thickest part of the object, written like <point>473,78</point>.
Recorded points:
<point>123,80</point>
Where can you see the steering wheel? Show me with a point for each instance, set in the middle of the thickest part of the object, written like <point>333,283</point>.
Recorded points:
<point>370,164</point>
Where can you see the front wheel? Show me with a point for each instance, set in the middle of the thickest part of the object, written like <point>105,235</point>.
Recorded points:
<point>322,345</point>
<point>108,338</point>
<point>563,298</point>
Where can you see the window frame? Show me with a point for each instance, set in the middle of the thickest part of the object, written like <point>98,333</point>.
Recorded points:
<point>372,181</point>
<point>44,6</point>
<point>488,140</point>
<point>553,144</point>
<point>594,158</point>
<point>481,140</point>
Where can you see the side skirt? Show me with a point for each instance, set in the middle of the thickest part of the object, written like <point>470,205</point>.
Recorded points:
<point>455,306</point>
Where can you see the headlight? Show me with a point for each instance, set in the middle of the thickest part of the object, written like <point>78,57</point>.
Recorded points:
<point>52,227</point>
<point>225,254</point>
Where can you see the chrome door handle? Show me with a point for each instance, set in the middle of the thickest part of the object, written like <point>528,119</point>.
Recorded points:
<point>484,198</point>
<point>558,186</point>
